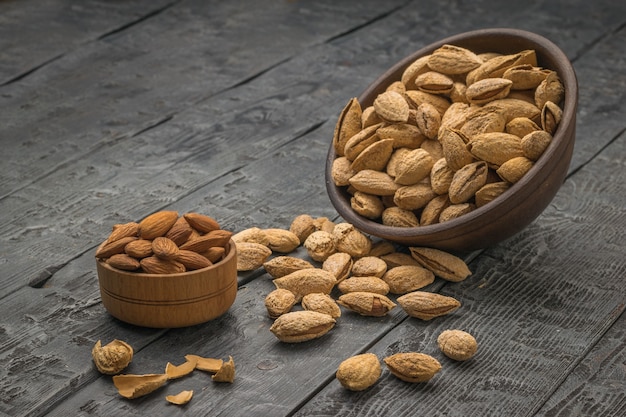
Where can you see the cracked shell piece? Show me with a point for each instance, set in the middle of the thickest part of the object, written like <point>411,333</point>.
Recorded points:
<point>205,364</point>
<point>112,358</point>
<point>226,373</point>
<point>181,398</point>
<point>177,371</point>
<point>134,386</point>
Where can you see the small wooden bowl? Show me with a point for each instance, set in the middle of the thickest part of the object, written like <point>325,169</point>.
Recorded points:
<point>524,201</point>
<point>174,300</point>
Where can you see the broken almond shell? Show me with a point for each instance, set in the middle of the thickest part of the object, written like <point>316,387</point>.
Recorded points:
<point>134,386</point>
<point>181,398</point>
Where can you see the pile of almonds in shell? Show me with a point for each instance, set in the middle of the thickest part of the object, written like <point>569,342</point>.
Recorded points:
<point>454,133</point>
<point>348,269</point>
<point>165,243</point>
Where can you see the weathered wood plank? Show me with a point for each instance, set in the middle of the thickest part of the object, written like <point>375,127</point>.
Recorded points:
<point>111,89</point>
<point>509,311</point>
<point>272,378</point>
<point>34,33</point>
<point>602,97</point>
<point>60,322</point>
<point>50,330</point>
<point>537,305</point>
<point>596,385</point>
<point>160,166</point>
<point>25,211</point>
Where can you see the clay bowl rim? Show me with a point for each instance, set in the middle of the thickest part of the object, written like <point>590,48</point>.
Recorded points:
<point>230,253</point>
<point>546,50</point>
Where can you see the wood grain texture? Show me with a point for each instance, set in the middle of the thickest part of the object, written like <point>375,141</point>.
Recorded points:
<point>596,386</point>
<point>270,377</point>
<point>157,167</point>
<point>222,108</point>
<point>35,33</point>
<point>113,88</point>
<point>533,305</point>
<point>135,163</point>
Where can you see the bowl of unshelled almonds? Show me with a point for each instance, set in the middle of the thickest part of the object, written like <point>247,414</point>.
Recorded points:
<point>458,146</point>
<point>167,270</point>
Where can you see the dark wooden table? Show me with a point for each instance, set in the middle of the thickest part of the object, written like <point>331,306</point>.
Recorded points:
<point>110,111</point>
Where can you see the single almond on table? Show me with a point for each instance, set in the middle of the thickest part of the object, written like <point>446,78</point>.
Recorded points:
<point>301,326</point>
<point>457,344</point>
<point>306,281</point>
<point>359,372</point>
<point>427,305</point>
<point>412,366</point>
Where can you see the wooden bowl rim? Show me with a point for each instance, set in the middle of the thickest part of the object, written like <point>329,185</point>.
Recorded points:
<point>546,49</point>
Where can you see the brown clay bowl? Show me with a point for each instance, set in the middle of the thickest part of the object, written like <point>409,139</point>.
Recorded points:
<point>170,300</point>
<point>525,200</point>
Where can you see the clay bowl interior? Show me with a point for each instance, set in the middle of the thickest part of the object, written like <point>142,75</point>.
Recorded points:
<point>168,301</point>
<point>524,201</point>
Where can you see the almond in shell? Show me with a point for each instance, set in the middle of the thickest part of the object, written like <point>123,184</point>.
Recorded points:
<point>306,281</point>
<point>367,303</point>
<point>322,303</point>
<point>339,264</point>
<point>407,278</point>
<point>251,255</point>
<point>412,366</point>
<point>281,240</point>
<point>364,284</point>
<point>301,326</point>
<point>279,302</point>
<point>280,266</point>
<point>427,305</point>
<point>359,372</point>
<point>443,264</point>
